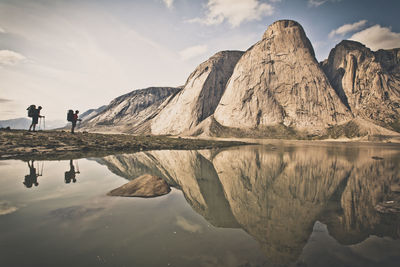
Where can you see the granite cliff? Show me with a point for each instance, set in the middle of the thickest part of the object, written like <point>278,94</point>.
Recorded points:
<point>367,82</point>
<point>199,97</point>
<point>279,81</point>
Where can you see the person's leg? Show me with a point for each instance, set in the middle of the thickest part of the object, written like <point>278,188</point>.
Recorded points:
<point>73,127</point>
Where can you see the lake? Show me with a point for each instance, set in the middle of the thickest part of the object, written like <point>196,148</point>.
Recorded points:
<point>265,205</point>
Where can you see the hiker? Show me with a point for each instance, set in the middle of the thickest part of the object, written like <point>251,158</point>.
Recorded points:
<point>73,117</point>
<point>34,113</point>
<point>31,178</point>
<point>70,175</point>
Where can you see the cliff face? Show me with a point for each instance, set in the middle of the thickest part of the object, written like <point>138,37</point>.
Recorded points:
<point>199,97</point>
<point>367,82</point>
<point>128,111</point>
<point>278,81</point>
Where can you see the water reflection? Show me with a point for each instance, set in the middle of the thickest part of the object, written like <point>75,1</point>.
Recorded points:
<point>70,175</point>
<point>34,173</point>
<point>276,196</point>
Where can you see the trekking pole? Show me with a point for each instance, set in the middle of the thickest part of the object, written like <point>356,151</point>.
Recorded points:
<point>42,168</point>
<point>40,122</point>
<point>77,166</point>
<point>44,123</point>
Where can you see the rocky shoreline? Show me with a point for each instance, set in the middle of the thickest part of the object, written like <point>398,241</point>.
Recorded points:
<point>58,145</point>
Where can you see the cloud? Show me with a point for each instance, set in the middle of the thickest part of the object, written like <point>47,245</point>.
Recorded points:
<point>169,3</point>
<point>4,100</point>
<point>234,11</point>
<point>188,226</point>
<point>193,51</point>
<point>378,37</point>
<point>2,30</point>
<point>346,28</point>
<point>6,208</point>
<point>316,3</point>
<point>8,57</point>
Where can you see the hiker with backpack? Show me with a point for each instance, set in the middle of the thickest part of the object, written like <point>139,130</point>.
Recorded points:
<point>34,113</point>
<point>73,117</point>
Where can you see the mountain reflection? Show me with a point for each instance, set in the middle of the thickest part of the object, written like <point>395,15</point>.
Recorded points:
<point>277,195</point>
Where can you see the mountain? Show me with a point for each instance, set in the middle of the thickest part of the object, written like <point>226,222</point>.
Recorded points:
<point>278,81</point>
<point>20,123</point>
<point>275,89</point>
<point>90,113</point>
<point>368,82</point>
<point>126,112</point>
<point>199,97</point>
<point>24,123</point>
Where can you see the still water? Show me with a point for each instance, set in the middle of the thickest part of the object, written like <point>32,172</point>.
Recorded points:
<point>248,206</point>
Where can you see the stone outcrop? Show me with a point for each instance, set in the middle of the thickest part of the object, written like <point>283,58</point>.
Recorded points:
<point>279,81</point>
<point>367,82</point>
<point>144,186</point>
<point>127,112</point>
<point>199,97</point>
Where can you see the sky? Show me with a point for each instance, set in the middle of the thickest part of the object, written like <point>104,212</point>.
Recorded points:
<point>81,54</point>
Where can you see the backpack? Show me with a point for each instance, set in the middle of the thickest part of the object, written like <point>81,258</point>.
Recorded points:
<point>31,110</point>
<point>70,115</point>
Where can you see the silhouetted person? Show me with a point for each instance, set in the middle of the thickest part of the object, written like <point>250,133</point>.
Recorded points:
<point>70,175</point>
<point>31,178</point>
<point>35,118</point>
<point>74,120</point>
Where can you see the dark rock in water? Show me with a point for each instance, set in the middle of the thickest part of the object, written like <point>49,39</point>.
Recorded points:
<point>377,158</point>
<point>144,186</point>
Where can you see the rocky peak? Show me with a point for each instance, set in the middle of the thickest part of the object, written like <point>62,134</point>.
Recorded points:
<point>278,81</point>
<point>293,33</point>
<point>199,97</point>
<point>367,82</point>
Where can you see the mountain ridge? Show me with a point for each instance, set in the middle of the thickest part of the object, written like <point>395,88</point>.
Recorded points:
<point>276,88</point>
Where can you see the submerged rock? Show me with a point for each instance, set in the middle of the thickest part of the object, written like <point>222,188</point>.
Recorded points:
<point>144,186</point>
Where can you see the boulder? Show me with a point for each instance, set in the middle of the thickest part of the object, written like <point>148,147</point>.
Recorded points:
<point>144,186</point>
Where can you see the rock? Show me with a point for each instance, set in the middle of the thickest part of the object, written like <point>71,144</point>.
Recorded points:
<point>367,82</point>
<point>144,186</point>
<point>199,97</point>
<point>278,81</point>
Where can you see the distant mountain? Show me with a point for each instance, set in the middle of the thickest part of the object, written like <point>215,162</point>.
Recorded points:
<point>275,89</point>
<point>24,123</point>
<point>20,123</point>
